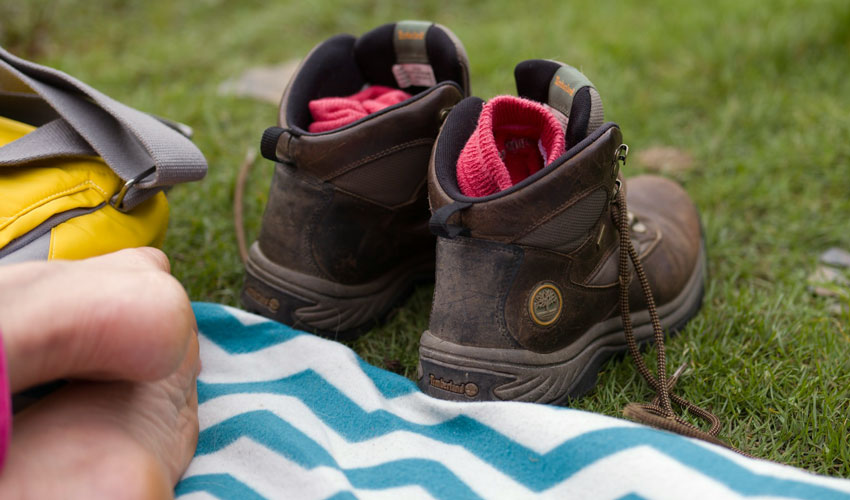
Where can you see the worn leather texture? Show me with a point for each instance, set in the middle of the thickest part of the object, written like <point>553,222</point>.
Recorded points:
<point>296,201</point>
<point>670,247</point>
<point>476,305</point>
<point>349,205</point>
<point>510,217</point>
<point>312,227</point>
<point>474,277</point>
<point>401,137</point>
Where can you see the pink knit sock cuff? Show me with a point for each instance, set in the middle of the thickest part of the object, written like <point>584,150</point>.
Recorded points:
<point>331,113</point>
<point>514,138</point>
<point>5,407</point>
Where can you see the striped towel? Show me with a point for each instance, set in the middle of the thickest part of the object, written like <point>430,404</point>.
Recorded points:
<point>285,414</point>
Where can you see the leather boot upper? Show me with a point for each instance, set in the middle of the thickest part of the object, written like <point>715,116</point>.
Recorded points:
<point>535,266</point>
<point>349,204</point>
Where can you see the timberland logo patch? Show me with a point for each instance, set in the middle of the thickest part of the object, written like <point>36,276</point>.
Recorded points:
<point>271,304</point>
<point>564,86</point>
<point>411,35</point>
<point>545,304</point>
<point>470,389</point>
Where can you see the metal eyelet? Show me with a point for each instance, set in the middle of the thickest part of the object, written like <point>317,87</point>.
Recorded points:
<point>620,156</point>
<point>617,185</point>
<point>444,113</point>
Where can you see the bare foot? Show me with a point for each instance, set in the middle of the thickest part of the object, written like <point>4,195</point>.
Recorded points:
<point>131,433</point>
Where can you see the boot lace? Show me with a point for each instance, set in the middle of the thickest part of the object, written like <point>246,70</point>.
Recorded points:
<point>659,412</point>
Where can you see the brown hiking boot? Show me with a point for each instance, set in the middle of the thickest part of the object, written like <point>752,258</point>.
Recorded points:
<point>344,236</point>
<point>530,269</point>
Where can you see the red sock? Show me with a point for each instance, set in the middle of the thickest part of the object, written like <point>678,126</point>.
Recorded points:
<point>330,113</point>
<point>514,138</point>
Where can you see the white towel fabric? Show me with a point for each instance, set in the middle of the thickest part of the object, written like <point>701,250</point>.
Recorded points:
<point>285,414</point>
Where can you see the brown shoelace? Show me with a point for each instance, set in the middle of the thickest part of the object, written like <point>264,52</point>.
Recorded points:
<point>658,413</point>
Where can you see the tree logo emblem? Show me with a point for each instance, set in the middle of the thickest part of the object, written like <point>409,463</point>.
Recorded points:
<point>545,304</point>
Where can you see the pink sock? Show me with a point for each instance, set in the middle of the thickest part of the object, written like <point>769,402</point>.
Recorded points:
<point>330,113</point>
<point>5,407</point>
<point>514,138</point>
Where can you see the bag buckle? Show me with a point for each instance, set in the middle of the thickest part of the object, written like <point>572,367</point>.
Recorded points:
<point>118,201</point>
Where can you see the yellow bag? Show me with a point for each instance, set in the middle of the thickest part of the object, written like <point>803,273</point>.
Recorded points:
<point>33,197</point>
<point>80,173</point>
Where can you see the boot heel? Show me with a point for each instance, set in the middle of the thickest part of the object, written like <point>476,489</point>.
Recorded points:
<point>260,298</point>
<point>449,379</point>
<point>324,307</point>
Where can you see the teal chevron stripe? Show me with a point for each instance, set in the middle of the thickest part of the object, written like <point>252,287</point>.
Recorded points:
<point>389,384</point>
<point>219,485</point>
<point>433,476</point>
<point>537,472</point>
<point>270,431</point>
<point>230,334</point>
<point>227,332</point>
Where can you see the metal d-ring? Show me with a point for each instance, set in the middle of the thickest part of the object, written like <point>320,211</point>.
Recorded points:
<point>118,202</point>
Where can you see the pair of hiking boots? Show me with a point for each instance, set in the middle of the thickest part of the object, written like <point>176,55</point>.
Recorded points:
<point>542,272</point>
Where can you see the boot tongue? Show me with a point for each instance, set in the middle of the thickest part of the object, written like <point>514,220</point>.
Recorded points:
<point>567,91</point>
<point>514,138</point>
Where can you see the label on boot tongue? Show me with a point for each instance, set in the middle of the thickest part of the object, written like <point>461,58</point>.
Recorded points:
<point>563,87</point>
<point>414,75</point>
<point>412,68</point>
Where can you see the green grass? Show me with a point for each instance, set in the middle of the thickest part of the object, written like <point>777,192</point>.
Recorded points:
<point>757,92</point>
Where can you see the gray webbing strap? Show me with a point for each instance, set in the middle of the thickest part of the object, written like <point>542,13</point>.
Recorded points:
<point>131,142</point>
<point>56,139</point>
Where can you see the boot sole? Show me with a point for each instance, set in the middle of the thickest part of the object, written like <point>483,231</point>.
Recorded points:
<point>466,373</point>
<point>327,308</point>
